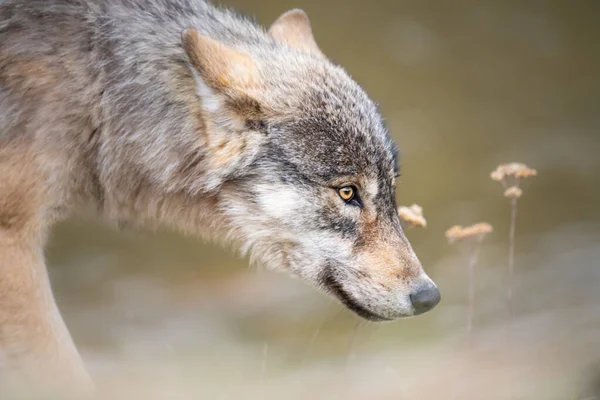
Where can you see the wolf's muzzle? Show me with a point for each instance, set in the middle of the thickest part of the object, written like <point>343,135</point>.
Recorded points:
<point>331,284</point>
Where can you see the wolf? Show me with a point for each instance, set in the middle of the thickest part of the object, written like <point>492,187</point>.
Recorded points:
<point>178,114</point>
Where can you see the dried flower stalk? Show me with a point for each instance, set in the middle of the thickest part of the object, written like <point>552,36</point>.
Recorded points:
<point>470,239</point>
<point>510,176</point>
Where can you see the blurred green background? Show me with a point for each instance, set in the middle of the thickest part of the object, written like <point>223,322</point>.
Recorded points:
<point>463,86</point>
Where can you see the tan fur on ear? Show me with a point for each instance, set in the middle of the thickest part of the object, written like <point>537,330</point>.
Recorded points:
<point>293,28</point>
<point>221,67</point>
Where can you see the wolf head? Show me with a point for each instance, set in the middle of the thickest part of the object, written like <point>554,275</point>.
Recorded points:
<point>305,168</point>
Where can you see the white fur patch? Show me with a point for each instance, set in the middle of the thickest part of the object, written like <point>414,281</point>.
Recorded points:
<point>372,188</point>
<point>280,201</point>
<point>211,101</point>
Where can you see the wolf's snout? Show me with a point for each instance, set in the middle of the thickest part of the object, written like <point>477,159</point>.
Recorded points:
<point>424,299</point>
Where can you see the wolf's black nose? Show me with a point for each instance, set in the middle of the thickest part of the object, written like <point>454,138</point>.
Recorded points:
<point>425,299</point>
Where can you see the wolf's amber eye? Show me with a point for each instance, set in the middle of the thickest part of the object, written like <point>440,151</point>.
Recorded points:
<point>346,193</point>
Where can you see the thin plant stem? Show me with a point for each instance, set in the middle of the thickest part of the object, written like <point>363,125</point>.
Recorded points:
<point>325,318</point>
<point>473,256</point>
<point>511,255</point>
<point>350,354</point>
<point>511,258</point>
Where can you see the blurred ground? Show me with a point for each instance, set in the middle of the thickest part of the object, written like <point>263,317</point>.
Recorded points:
<point>463,86</point>
<point>164,333</point>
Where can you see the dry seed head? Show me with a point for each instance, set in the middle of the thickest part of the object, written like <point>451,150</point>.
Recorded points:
<point>497,175</point>
<point>513,192</point>
<point>526,173</point>
<point>454,233</point>
<point>514,169</point>
<point>412,215</point>
<point>478,231</point>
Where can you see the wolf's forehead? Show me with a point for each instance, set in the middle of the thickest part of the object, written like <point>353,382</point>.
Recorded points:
<point>345,121</point>
<point>339,103</point>
<point>335,128</point>
<point>333,147</point>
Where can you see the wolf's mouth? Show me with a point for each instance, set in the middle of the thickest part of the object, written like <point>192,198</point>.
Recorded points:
<point>329,281</point>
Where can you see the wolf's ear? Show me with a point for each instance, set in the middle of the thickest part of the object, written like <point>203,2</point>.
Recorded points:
<point>221,67</point>
<point>227,76</point>
<point>293,28</point>
<point>227,82</point>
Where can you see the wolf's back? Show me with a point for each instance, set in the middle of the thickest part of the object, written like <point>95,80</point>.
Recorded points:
<point>73,50</point>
